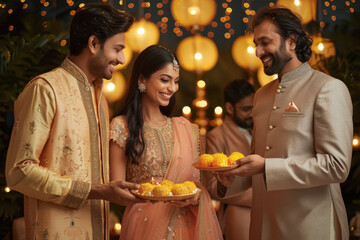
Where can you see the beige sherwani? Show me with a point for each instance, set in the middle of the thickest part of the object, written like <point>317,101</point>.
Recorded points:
<point>58,147</point>
<point>228,138</point>
<point>307,154</point>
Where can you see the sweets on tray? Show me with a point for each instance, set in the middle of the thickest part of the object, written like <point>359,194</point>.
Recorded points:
<point>219,159</point>
<point>161,190</point>
<point>167,188</point>
<point>205,160</point>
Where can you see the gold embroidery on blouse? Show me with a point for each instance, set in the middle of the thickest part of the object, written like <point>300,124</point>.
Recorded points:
<point>159,144</point>
<point>32,127</point>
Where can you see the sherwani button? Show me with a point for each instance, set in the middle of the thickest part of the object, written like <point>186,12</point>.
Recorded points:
<point>274,107</point>
<point>271,127</point>
<point>279,87</point>
<point>278,91</point>
<point>267,148</point>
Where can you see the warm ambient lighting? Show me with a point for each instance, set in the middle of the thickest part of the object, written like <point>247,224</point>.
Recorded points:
<point>218,111</point>
<point>117,228</point>
<point>201,84</point>
<point>7,189</point>
<point>198,56</point>
<point>355,142</point>
<point>110,87</point>
<point>186,111</point>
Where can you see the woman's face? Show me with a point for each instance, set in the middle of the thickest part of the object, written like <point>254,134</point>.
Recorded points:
<point>161,85</point>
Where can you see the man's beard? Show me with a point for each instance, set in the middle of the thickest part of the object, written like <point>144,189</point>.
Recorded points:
<point>243,124</point>
<point>279,60</point>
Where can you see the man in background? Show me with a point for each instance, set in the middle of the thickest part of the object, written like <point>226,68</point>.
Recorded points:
<point>58,152</point>
<point>234,135</point>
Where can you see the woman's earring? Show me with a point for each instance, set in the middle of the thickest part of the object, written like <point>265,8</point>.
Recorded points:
<point>141,87</point>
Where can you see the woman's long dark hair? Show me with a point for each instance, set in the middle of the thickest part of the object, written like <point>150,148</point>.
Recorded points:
<point>150,60</point>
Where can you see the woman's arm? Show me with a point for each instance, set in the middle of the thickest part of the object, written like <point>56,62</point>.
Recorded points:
<point>117,163</point>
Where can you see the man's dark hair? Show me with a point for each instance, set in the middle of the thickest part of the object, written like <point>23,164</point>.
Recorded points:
<point>236,90</point>
<point>288,23</point>
<point>101,20</point>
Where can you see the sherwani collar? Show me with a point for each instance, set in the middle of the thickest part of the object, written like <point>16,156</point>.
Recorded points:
<point>296,73</point>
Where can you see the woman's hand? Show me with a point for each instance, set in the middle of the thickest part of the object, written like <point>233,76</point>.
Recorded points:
<point>186,202</point>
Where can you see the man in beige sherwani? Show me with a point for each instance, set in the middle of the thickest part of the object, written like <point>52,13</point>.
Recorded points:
<point>58,153</point>
<point>301,139</point>
<point>234,136</point>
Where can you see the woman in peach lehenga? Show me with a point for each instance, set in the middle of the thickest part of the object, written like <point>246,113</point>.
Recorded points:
<point>146,143</point>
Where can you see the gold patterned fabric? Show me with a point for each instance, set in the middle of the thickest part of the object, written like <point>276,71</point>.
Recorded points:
<point>158,150</point>
<point>57,149</point>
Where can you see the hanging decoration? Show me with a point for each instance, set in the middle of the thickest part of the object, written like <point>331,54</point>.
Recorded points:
<point>321,47</point>
<point>306,9</point>
<point>243,53</point>
<point>114,88</point>
<point>197,53</point>
<point>190,13</point>
<point>142,34</point>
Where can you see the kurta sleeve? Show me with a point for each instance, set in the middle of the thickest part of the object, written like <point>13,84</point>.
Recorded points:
<point>333,132</point>
<point>34,111</point>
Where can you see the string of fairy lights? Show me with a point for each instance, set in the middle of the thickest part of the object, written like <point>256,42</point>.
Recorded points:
<point>159,13</point>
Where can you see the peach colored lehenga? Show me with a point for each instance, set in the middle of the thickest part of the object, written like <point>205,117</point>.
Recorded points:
<point>157,221</point>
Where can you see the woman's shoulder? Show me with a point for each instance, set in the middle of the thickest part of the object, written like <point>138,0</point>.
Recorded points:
<point>182,120</point>
<point>119,121</point>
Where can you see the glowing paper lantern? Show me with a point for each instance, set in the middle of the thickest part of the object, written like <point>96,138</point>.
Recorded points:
<point>306,9</point>
<point>243,52</point>
<point>128,55</point>
<point>193,12</point>
<point>114,88</point>
<point>142,34</point>
<point>321,46</point>
<point>197,53</point>
<point>263,78</point>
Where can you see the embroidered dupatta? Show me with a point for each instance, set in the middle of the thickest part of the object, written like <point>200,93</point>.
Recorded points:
<point>157,221</point>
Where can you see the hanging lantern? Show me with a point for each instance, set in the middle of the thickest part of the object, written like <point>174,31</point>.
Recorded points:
<point>306,9</point>
<point>114,88</point>
<point>128,55</point>
<point>193,12</point>
<point>321,46</point>
<point>142,34</point>
<point>197,53</point>
<point>263,78</point>
<point>243,52</point>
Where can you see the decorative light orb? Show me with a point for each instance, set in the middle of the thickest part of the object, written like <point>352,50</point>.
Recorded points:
<point>306,9</point>
<point>128,55</point>
<point>263,78</point>
<point>117,228</point>
<point>193,12</point>
<point>243,53</point>
<point>142,34</point>
<point>356,142</point>
<point>321,46</point>
<point>114,88</point>
<point>7,189</point>
<point>197,53</point>
<point>201,84</point>
<point>218,111</point>
<point>186,111</point>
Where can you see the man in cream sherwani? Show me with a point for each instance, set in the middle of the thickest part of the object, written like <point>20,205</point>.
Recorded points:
<point>301,139</point>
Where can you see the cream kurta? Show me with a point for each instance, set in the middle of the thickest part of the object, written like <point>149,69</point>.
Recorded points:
<point>307,154</point>
<point>58,147</point>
